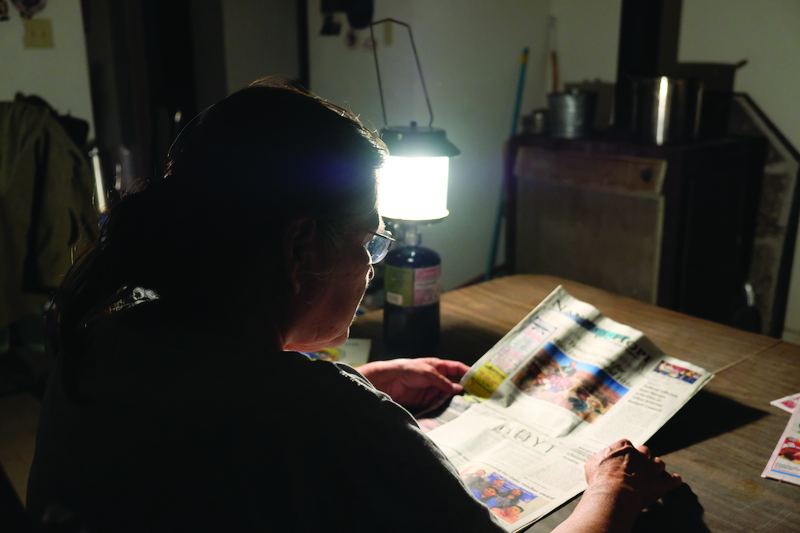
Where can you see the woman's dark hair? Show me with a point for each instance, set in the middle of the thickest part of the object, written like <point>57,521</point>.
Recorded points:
<point>206,235</point>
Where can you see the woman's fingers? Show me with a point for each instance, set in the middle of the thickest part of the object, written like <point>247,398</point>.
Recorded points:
<point>619,446</point>
<point>453,370</point>
<point>625,466</point>
<point>659,464</point>
<point>436,379</point>
<point>644,450</point>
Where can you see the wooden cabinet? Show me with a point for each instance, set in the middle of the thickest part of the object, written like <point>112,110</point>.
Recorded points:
<point>671,226</point>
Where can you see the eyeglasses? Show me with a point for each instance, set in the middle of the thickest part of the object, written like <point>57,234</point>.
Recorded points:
<point>378,246</point>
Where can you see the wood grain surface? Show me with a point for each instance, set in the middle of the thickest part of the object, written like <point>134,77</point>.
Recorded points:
<point>719,442</point>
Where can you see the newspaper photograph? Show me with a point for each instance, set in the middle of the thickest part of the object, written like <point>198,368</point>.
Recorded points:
<point>563,384</point>
<point>784,464</point>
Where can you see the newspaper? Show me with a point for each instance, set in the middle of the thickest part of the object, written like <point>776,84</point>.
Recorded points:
<point>784,464</point>
<point>354,352</point>
<point>787,403</point>
<point>563,384</point>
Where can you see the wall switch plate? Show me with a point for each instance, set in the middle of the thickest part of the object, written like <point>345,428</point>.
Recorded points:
<point>38,33</point>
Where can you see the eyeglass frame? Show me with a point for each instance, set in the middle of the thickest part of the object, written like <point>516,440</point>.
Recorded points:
<point>384,237</point>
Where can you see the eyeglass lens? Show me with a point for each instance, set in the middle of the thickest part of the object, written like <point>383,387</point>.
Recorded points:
<point>378,247</point>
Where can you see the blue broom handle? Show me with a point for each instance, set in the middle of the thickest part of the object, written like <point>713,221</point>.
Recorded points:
<point>514,120</point>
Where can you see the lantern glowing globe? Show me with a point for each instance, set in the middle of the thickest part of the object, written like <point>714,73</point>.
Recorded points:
<point>413,188</point>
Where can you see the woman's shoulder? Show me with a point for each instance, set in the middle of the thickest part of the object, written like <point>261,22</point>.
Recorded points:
<point>333,385</point>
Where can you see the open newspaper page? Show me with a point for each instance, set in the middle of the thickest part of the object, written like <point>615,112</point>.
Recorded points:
<point>563,384</point>
<point>784,464</point>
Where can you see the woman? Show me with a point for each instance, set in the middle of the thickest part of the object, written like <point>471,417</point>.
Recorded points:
<point>180,403</point>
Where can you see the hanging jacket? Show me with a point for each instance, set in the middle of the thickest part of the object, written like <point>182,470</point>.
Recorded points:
<point>46,207</point>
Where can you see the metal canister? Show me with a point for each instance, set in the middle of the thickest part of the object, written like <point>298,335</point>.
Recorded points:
<point>667,110</point>
<point>571,113</point>
<point>536,122</point>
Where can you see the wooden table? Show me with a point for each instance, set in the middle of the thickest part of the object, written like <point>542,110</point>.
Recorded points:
<point>719,442</point>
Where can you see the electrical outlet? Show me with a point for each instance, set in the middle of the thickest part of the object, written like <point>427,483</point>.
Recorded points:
<point>38,33</point>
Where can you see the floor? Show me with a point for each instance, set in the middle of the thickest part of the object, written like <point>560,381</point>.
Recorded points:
<point>19,418</point>
<point>23,367</point>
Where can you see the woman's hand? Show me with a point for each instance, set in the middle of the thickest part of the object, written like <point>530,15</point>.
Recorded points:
<point>415,383</point>
<point>623,480</point>
<point>631,470</point>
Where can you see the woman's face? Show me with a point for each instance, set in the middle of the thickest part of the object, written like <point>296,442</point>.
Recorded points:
<point>326,324</point>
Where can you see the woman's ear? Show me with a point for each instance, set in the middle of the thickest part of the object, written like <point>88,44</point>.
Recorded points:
<point>301,251</point>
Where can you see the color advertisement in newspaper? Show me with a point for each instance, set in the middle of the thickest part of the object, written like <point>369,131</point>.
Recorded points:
<point>563,384</point>
<point>784,465</point>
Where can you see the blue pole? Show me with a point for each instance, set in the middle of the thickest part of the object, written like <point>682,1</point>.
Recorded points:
<point>499,216</point>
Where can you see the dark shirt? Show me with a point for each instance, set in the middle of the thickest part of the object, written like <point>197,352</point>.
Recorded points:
<point>188,430</point>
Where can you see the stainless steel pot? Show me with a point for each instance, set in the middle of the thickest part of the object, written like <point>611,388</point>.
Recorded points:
<point>667,110</point>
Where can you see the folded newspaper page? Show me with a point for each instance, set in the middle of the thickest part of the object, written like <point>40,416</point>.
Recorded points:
<point>787,403</point>
<point>563,384</point>
<point>784,465</point>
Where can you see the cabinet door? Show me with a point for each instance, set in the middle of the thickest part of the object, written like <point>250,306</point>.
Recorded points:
<point>592,218</point>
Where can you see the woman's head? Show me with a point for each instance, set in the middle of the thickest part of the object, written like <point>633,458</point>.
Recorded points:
<point>210,235</point>
<point>242,171</point>
<point>288,150</point>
